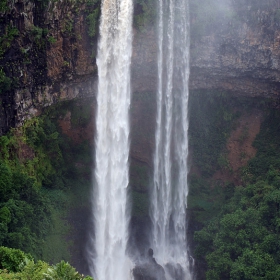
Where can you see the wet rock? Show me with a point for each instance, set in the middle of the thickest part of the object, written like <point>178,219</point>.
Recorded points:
<point>149,269</point>
<point>175,271</point>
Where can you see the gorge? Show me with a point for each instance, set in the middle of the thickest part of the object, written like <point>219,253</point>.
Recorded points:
<point>49,84</point>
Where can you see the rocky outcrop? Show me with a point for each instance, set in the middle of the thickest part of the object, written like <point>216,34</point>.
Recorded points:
<point>48,58</point>
<point>149,269</point>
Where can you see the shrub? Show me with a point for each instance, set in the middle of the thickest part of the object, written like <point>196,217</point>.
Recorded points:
<point>13,259</point>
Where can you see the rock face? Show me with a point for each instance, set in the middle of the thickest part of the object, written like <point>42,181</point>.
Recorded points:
<point>237,51</point>
<point>234,48</point>
<point>240,52</point>
<point>149,269</point>
<point>47,56</point>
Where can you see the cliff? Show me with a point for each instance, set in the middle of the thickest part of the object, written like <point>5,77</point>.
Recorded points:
<point>46,55</point>
<point>234,48</point>
<point>238,51</point>
<point>48,51</point>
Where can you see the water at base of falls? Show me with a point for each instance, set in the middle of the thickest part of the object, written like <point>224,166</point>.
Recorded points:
<point>170,186</point>
<point>108,258</point>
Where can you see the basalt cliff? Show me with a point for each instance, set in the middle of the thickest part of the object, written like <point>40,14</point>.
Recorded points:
<point>48,52</point>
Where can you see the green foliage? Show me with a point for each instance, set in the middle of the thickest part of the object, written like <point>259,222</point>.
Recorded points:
<point>68,26</point>
<point>40,181</point>
<point>212,120</point>
<point>92,21</point>
<point>20,180</point>
<point>242,240</point>
<point>41,134</point>
<point>5,82</point>
<point>206,199</point>
<point>38,35</point>
<point>13,259</point>
<point>62,270</point>
<point>268,148</point>
<point>7,39</point>
<point>25,213</point>
<point>51,39</point>
<point>4,6</point>
<point>15,264</point>
<point>37,32</point>
<point>145,14</point>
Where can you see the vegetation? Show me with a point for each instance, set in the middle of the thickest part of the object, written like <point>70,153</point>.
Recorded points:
<point>242,242</point>
<point>7,38</point>
<point>15,264</point>
<point>3,6</point>
<point>93,17</point>
<point>38,180</point>
<point>145,14</point>
<point>240,234</point>
<point>211,122</point>
<point>5,82</point>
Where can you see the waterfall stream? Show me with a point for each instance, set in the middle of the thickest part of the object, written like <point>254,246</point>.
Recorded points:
<point>112,142</point>
<point>170,186</point>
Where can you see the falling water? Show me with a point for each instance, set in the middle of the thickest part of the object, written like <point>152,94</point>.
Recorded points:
<point>112,141</point>
<point>170,186</point>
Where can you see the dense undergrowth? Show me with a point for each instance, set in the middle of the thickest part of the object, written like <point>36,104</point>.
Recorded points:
<point>40,182</point>
<point>240,225</point>
<point>15,264</point>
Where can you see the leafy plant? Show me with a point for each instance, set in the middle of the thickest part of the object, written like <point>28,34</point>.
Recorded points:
<point>13,259</point>
<point>15,264</point>
<point>7,39</point>
<point>241,241</point>
<point>92,20</point>
<point>51,39</point>
<point>4,6</point>
<point>146,15</point>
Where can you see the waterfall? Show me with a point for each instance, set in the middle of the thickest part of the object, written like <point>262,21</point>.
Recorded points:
<point>112,142</point>
<point>170,186</point>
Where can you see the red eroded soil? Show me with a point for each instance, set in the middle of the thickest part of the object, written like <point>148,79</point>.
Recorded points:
<point>240,146</point>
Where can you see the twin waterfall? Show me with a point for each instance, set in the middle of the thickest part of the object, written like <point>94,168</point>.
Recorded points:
<point>170,186</point>
<point>169,192</point>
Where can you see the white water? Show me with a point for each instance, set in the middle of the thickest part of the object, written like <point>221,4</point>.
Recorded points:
<point>112,142</point>
<point>170,186</point>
